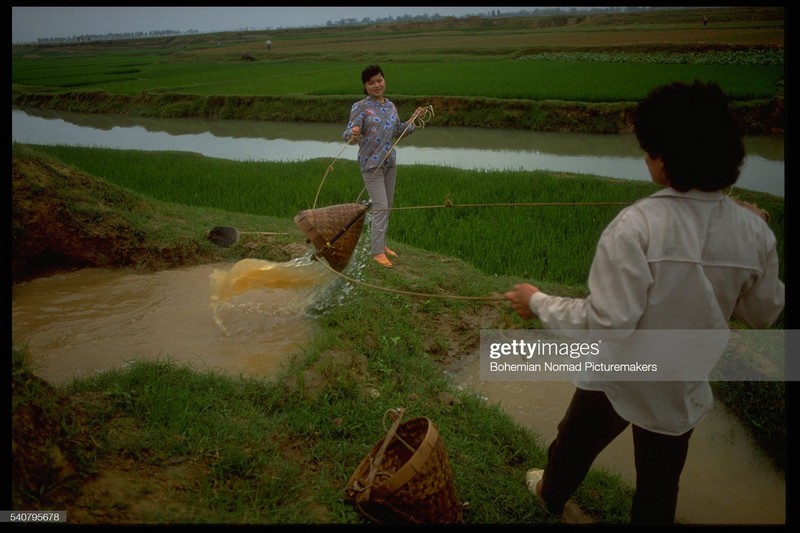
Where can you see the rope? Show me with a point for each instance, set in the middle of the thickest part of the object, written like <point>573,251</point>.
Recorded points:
<point>412,293</point>
<point>448,204</point>
<point>419,120</point>
<point>327,171</point>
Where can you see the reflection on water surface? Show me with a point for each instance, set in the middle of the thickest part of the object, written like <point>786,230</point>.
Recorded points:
<point>616,156</point>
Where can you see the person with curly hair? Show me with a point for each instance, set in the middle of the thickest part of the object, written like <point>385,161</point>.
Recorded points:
<point>687,257</point>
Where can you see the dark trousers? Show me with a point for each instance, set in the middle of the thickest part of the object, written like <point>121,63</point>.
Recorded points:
<point>589,425</point>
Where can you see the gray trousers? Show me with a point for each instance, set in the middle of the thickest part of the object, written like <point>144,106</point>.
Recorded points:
<point>380,186</point>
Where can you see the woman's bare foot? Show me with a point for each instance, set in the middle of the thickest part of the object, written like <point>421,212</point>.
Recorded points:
<point>382,260</point>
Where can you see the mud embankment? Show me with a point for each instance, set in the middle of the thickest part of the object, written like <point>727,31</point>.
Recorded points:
<point>759,117</point>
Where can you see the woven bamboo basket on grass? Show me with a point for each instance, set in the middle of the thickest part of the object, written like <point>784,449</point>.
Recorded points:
<point>406,478</point>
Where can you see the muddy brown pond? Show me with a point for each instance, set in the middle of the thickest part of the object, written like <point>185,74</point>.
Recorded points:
<point>249,322</point>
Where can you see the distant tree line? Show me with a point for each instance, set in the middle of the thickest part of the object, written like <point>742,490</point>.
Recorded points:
<point>112,36</point>
<point>494,13</point>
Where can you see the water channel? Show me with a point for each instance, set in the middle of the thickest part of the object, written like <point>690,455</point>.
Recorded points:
<point>616,156</point>
<point>95,319</point>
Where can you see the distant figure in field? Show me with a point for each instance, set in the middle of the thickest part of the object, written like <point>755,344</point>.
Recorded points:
<point>247,57</point>
<point>269,45</point>
<point>705,20</point>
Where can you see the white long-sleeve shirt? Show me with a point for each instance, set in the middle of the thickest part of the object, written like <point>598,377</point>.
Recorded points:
<point>673,261</point>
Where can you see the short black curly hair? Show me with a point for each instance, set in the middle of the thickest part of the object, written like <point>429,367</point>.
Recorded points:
<point>693,130</point>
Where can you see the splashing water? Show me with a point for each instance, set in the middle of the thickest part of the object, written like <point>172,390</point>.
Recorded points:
<point>319,288</point>
<point>251,274</point>
<point>299,273</point>
<point>336,292</point>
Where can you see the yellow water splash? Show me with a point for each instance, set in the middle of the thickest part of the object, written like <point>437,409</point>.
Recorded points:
<point>250,274</point>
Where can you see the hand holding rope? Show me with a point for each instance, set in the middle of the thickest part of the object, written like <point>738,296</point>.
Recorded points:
<point>422,116</point>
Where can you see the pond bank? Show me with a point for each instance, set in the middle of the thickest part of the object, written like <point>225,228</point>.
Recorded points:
<point>759,117</point>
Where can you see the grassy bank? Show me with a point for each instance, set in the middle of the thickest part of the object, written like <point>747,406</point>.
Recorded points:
<point>280,452</point>
<point>476,216</point>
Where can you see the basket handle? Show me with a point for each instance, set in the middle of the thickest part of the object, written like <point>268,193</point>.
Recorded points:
<point>375,464</point>
<point>415,463</point>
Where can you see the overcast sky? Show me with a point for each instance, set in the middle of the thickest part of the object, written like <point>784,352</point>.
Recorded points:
<point>29,23</point>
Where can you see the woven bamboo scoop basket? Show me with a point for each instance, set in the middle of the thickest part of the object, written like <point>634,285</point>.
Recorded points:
<point>406,478</point>
<point>334,231</point>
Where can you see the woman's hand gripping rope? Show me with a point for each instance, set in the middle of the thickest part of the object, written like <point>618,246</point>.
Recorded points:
<point>354,133</point>
<point>421,116</point>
